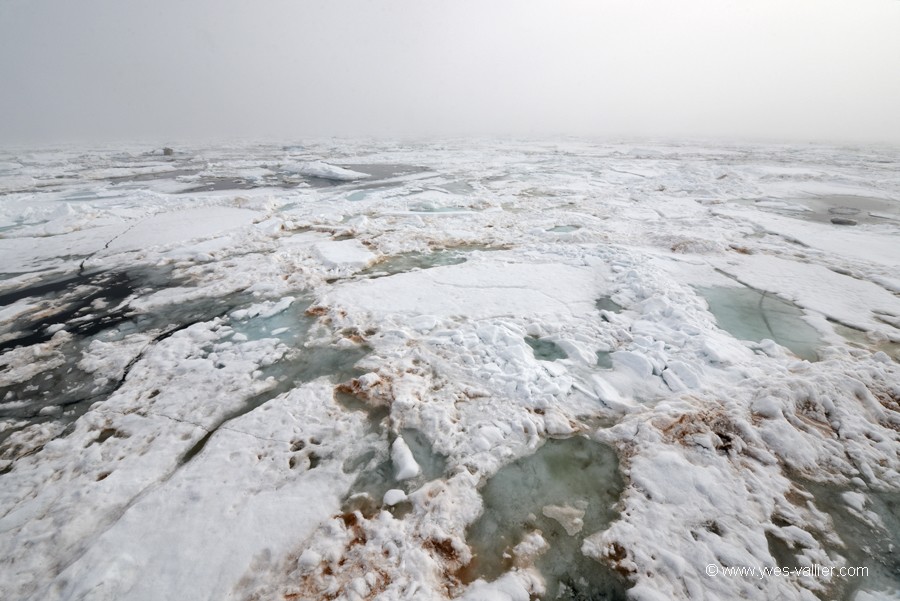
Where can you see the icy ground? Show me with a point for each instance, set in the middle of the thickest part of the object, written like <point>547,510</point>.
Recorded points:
<point>266,372</point>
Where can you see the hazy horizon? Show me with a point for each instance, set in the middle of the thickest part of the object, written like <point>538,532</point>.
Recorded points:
<point>99,70</point>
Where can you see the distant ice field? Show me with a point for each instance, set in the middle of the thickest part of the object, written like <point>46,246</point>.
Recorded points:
<point>482,370</point>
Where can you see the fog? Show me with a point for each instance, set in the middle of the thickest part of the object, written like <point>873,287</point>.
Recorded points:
<point>182,69</point>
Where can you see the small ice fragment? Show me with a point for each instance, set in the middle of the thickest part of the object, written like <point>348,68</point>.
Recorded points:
<point>766,407</point>
<point>685,374</point>
<point>277,308</point>
<point>673,381</point>
<point>570,518</point>
<point>882,357</point>
<point>532,546</point>
<point>636,362</point>
<point>855,500</point>
<point>405,466</point>
<point>424,323</point>
<point>309,559</point>
<point>336,254</point>
<point>394,496</point>
<point>509,587</point>
<point>605,391</point>
<point>556,423</point>
<point>554,369</point>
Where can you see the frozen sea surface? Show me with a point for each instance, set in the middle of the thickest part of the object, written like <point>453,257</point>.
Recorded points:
<point>504,370</point>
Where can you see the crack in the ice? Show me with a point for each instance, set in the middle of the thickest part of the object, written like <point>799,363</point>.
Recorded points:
<point>106,246</point>
<point>486,286</point>
<point>607,168</point>
<point>762,313</point>
<point>198,425</point>
<point>90,399</point>
<point>125,372</point>
<point>116,516</point>
<point>251,404</point>
<point>503,287</point>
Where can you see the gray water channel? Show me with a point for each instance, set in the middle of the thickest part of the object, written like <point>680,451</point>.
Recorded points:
<point>566,490</point>
<point>380,176</point>
<point>283,179</point>
<point>90,306</point>
<point>86,303</point>
<point>749,314</point>
<point>384,170</point>
<point>215,184</point>
<point>154,176</point>
<point>97,306</point>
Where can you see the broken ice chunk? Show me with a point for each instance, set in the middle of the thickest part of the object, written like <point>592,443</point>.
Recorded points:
<point>405,466</point>
<point>323,170</point>
<point>309,559</point>
<point>855,500</point>
<point>343,254</point>
<point>636,362</point>
<point>532,546</point>
<point>569,517</point>
<point>394,496</point>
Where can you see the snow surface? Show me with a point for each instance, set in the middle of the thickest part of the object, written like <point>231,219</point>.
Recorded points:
<point>349,254</point>
<point>200,466</point>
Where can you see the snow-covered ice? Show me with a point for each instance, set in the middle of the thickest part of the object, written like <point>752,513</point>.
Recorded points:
<point>495,370</point>
<point>324,170</point>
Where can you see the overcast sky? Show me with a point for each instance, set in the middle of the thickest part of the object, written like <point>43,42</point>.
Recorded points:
<point>178,69</point>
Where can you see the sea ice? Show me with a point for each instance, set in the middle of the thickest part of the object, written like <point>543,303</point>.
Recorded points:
<point>217,365</point>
